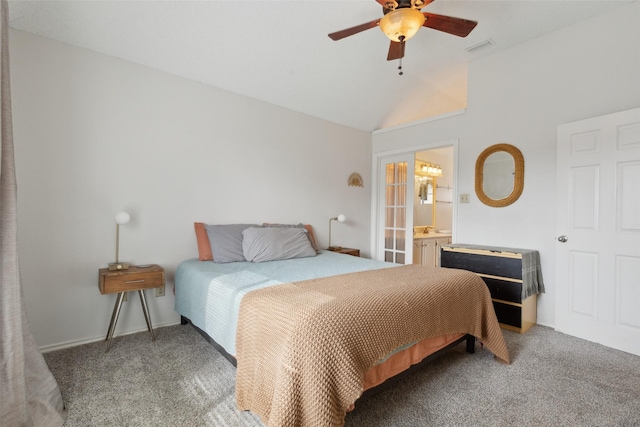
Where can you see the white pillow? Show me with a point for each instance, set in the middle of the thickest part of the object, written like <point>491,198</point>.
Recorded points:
<point>275,243</point>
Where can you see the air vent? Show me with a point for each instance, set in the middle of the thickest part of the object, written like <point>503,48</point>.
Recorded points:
<point>483,44</point>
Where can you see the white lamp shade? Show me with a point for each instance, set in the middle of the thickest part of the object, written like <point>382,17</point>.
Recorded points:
<point>122,218</point>
<point>342,218</point>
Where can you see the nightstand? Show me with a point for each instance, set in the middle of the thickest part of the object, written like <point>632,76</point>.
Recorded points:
<point>346,251</point>
<point>132,279</point>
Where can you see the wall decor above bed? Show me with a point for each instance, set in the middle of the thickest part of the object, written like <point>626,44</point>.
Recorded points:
<point>355,180</point>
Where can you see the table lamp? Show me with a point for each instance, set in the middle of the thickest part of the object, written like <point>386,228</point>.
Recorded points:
<point>339,218</point>
<point>121,219</point>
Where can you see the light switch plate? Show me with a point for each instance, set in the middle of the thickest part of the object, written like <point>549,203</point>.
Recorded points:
<point>464,198</point>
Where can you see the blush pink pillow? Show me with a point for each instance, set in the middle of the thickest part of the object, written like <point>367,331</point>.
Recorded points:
<point>204,248</point>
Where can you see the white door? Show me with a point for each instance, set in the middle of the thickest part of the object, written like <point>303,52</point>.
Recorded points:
<point>598,225</point>
<point>395,204</point>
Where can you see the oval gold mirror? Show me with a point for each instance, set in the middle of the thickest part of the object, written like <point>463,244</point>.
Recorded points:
<point>499,175</point>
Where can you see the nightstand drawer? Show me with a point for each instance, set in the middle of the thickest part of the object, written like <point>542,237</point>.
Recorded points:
<point>132,279</point>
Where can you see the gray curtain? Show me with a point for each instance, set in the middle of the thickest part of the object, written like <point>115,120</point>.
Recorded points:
<point>29,394</point>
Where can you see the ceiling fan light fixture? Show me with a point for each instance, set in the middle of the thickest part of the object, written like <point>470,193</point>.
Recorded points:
<point>403,22</point>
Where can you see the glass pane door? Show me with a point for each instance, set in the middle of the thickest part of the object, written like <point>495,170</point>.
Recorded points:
<point>396,209</point>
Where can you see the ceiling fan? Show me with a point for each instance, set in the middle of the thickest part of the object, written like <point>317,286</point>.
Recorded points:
<point>402,19</point>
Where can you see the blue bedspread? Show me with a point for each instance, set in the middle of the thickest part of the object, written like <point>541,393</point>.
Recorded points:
<point>209,294</point>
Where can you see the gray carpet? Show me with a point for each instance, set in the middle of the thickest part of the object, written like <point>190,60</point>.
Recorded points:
<point>181,380</point>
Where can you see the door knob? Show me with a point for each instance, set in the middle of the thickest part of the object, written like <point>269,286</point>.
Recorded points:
<point>562,239</point>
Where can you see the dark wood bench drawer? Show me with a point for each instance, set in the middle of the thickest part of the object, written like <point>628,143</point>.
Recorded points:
<point>508,314</point>
<point>491,265</point>
<point>501,271</point>
<point>504,290</point>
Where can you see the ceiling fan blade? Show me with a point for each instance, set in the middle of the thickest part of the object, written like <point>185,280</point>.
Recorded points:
<point>456,26</point>
<point>396,51</point>
<point>354,30</point>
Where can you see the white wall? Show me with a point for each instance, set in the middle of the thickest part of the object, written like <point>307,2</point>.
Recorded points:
<point>96,135</point>
<point>520,96</point>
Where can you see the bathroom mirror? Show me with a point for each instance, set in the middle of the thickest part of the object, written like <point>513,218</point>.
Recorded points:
<point>425,191</point>
<point>499,175</point>
<point>424,204</point>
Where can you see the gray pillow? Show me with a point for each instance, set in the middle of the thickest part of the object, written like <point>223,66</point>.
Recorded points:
<point>226,241</point>
<point>275,243</point>
<point>312,238</point>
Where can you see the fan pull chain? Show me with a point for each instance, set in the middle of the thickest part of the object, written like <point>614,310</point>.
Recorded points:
<point>402,40</point>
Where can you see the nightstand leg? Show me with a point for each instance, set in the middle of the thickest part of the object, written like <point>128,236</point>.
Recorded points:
<point>143,301</point>
<point>114,320</point>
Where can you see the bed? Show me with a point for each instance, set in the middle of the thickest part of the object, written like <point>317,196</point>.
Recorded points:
<point>310,334</point>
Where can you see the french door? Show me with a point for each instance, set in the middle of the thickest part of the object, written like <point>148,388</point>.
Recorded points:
<point>395,202</point>
<point>598,248</point>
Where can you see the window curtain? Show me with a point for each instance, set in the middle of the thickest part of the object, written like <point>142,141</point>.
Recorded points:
<point>29,394</point>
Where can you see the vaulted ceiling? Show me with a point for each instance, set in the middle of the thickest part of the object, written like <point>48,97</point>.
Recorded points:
<point>279,52</point>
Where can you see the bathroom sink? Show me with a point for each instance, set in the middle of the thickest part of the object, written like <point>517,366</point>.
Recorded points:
<point>430,235</point>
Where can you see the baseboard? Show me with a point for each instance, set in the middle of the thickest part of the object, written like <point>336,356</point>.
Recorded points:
<point>548,325</point>
<point>75,343</point>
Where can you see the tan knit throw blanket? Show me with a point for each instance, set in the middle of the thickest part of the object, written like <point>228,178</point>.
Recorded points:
<point>303,348</point>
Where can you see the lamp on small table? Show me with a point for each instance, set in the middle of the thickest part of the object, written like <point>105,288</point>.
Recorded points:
<point>121,219</point>
<point>339,218</point>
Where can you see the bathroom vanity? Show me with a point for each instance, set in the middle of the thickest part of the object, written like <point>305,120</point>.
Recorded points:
<point>426,247</point>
